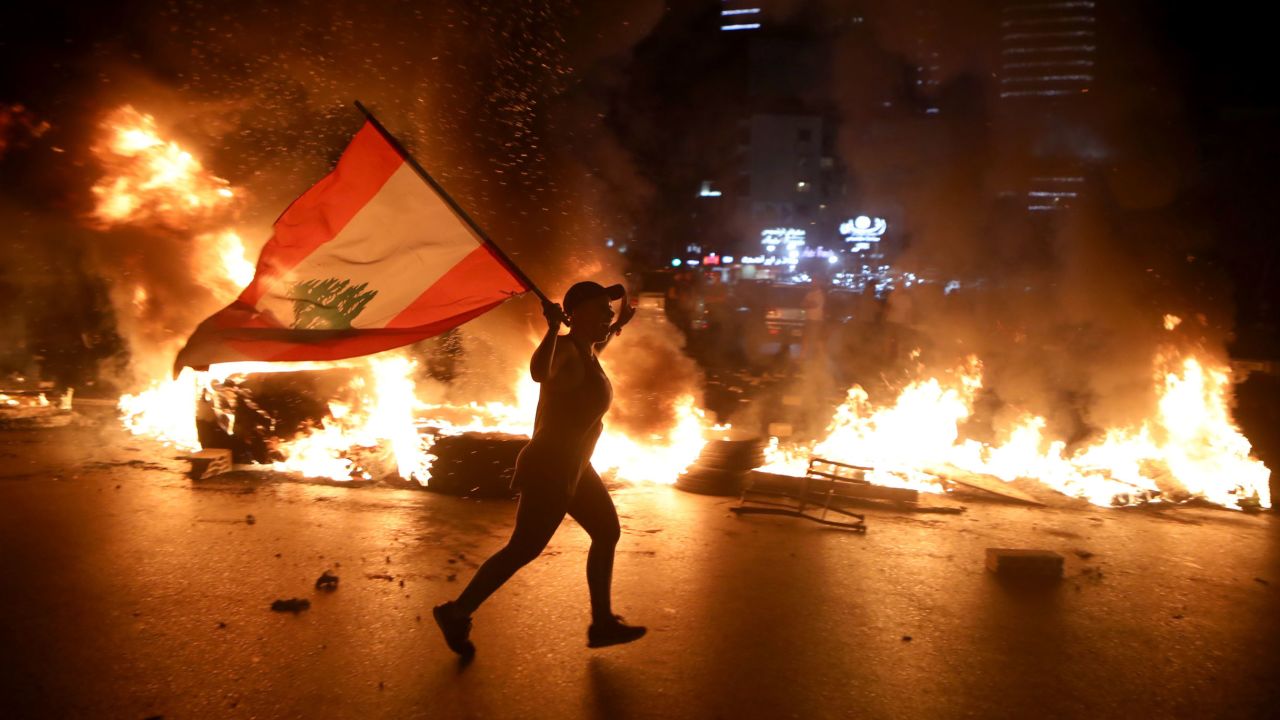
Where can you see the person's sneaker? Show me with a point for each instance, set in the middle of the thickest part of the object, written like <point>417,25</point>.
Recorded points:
<point>613,632</point>
<point>456,628</point>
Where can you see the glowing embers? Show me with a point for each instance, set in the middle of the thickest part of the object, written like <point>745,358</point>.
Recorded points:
<point>149,178</point>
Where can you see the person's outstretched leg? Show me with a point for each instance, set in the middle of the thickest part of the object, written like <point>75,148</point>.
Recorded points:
<point>537,517</point>
<point>592,507</point>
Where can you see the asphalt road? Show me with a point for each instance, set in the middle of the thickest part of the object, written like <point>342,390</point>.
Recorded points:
<point>131,592</point>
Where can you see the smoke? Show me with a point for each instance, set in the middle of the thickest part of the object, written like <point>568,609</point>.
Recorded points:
<point>502,102</point>
<point>506,104</point>
<point>1064,312</point>
<point>648,360</point>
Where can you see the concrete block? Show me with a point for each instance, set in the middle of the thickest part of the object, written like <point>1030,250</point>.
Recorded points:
<point>1029,564</point>
<point>207,463</point>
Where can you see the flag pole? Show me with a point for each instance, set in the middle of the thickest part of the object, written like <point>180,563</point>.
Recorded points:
<point>453,205</point>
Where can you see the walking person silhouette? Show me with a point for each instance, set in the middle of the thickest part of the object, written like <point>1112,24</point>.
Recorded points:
<point>554,473</point>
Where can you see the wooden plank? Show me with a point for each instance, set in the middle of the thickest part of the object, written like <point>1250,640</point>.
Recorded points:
<point>985,483</point>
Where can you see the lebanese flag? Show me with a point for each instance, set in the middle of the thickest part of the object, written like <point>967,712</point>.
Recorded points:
<point>370,258</point>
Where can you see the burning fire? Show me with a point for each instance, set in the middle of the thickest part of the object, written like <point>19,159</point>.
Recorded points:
<point>151,179</point>
<point>1189,447</point>
<point>231,271</point>
<point>387,423</point>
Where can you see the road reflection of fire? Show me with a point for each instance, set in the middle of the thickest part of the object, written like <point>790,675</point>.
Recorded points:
<point>1190,446</point>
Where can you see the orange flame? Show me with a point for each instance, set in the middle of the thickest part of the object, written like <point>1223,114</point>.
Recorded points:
<point>150,179</point>
<point>388,418</point>
<point>1190,447</point>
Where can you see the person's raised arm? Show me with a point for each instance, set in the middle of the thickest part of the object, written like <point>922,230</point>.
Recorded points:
<point>625,313</point>
<point>541,362</point>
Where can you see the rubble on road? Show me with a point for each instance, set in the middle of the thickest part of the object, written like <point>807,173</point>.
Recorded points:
<point>208,463</point>
<point>293,605</point>
<point>327,581</point>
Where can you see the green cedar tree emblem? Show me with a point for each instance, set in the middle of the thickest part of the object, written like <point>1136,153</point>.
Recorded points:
<point>329,304</point>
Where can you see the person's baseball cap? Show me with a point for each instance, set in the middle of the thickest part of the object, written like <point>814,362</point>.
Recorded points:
<point>586,290</point>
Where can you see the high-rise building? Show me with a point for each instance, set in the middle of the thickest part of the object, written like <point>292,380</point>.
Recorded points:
<point>1047,49</point>
<point>1047,66</point>
<point>741,15</point>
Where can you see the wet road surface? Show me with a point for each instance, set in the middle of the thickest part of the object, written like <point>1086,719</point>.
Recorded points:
<point>132,592</point>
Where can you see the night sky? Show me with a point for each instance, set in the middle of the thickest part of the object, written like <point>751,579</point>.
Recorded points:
<point>558,125</point>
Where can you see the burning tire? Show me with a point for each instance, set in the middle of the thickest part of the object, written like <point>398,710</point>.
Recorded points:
<point>722,466</point>
<point>475,464</point>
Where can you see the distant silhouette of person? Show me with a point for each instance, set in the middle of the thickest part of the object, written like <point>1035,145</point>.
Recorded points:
<point>815,334</point>
<point>554,473</point>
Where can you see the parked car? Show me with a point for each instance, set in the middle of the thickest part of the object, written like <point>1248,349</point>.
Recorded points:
<point>784,314</point>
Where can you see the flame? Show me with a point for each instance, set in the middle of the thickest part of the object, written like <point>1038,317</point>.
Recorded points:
<point>151,179</point>
<point>387,423</point>
<point>228,271</point>
<point>40,400</point>
<point>660,457</point>
<point>166,411</point>
<point>1190,447</point>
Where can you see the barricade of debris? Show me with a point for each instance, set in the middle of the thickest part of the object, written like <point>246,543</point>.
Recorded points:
<point>33,410</point>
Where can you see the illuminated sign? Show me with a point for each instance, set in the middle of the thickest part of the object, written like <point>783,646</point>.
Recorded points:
<point>863,229</point>
<point>817,253</point>
<point>791,240</point>
<point>782,236</point>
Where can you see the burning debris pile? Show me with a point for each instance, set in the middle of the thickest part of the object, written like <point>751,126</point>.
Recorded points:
<point>1190,448</point>
<point>32,409</point>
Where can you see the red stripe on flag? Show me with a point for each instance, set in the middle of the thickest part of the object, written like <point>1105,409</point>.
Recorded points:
<point>479,277</point>
<point>224,337</point>
<point>321,212</point>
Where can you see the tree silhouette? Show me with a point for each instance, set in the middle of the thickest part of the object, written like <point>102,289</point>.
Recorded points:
<point>329,304</point>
